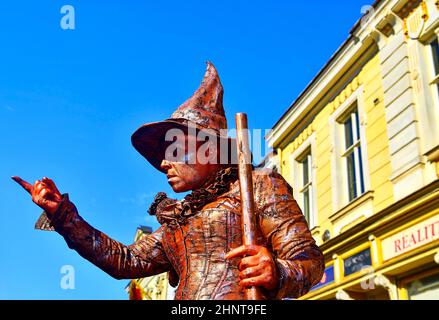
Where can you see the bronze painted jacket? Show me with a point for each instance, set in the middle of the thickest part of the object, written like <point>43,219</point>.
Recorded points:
<point>194,249</point>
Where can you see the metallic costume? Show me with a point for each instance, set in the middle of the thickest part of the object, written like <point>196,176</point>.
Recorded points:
<point>196,233</point>
<point>193,247</point>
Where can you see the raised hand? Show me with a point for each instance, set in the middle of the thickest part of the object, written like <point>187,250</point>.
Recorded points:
<point>44,193</point>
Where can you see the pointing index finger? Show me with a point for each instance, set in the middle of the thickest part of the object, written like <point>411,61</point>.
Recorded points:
<point>26,186</point>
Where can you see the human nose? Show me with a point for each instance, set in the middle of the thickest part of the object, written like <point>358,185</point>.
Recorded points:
<point>165,165</point>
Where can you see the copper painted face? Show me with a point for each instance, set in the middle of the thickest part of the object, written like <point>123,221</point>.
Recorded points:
<point>190,170</point>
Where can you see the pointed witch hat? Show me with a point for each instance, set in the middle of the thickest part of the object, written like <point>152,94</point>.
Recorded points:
<point>204,110</point>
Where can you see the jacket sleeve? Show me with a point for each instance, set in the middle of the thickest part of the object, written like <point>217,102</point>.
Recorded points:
<point>299,260</point>
<point>144,258</point>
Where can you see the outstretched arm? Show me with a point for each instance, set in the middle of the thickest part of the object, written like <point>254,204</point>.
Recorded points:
<point>144,258</point>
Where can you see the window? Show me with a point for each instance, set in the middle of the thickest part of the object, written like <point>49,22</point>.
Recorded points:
<point>352,156</point>
<point>426,61</point>
<point>435,55</point>
<point>352,196</point>
<point>306,194</point>
<point>424,289</point>
<point>303,179</point>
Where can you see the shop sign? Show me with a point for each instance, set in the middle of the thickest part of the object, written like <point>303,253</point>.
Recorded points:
<point>411,238</point>
<point>357,262</point>
<point>328,277</point>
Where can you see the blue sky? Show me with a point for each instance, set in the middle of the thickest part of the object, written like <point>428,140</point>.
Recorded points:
<point>70,100</point>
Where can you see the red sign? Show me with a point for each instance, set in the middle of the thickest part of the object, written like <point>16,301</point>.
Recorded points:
<point>411,238</point>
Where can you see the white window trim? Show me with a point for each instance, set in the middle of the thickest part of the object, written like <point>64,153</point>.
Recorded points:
<point>428,96</point>
<point>309,143</point>
<point>338,167</point>
<point>433,90</point>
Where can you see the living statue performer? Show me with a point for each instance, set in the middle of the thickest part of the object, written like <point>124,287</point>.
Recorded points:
<point>200,239</point>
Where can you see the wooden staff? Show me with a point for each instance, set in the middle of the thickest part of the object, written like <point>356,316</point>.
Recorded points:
<point>248,221</point>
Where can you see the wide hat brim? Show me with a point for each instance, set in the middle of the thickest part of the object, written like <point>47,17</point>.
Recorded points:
<point>150,140</point>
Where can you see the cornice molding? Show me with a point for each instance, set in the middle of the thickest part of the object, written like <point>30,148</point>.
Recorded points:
<point>306,133</point>
<point>346,93</point>
<point>362,37</point>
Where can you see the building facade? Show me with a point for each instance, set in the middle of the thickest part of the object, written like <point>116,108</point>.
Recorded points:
<point>151,288</point>
<point>360,147</point>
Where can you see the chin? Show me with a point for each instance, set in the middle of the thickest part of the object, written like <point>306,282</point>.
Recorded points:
<point>178,188</point>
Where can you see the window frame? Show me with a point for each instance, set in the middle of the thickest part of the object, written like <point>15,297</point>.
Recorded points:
<point>307,147</point>
<point>306,187</point>
<point>428,98</point>
<point>354,150</point>
<point>433,74</point>
<point>338,164</point>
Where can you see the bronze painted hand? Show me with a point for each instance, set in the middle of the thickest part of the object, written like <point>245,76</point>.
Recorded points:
<point>44,193</point>
<point>257,267</point>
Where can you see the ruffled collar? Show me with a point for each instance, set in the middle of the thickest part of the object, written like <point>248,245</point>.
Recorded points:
<point>167,210</point>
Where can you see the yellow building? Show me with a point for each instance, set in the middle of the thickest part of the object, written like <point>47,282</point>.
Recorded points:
<point>151,288</point>
<point>360,146</point>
